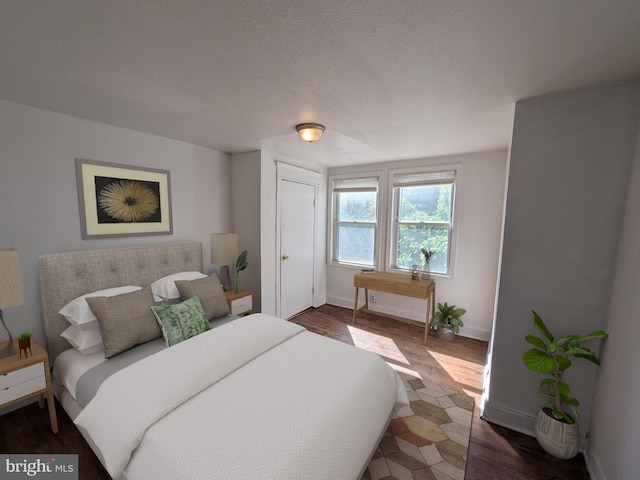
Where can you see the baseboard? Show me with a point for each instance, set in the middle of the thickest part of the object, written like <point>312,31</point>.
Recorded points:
<point>593,465</point>
<point>509,418</point>
<point>470,332</point>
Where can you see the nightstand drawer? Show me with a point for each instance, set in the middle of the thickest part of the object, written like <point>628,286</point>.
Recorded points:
<point>241,305</point>
<point>20,376</point>
<point>8,394</point>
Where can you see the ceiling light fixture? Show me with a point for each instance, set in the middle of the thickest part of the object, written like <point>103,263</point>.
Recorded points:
<point>310,132</point>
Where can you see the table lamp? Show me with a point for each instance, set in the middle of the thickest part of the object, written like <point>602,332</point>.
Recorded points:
<point>11,294</point>
<point>224,252</point>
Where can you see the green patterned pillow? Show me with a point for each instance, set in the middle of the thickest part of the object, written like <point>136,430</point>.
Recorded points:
<point>182,320</point>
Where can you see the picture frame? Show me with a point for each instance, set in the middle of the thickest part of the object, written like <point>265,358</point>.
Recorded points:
<point>122,200</point>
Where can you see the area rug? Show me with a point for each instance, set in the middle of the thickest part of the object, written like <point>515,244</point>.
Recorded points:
<point>429,439</point>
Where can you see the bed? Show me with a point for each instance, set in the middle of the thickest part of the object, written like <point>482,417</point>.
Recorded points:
<point>253,397</point>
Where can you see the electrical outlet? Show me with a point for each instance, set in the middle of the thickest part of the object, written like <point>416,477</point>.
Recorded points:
<point>372,298</point>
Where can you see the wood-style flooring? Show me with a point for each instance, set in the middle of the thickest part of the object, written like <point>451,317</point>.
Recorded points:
<point>495,453</point>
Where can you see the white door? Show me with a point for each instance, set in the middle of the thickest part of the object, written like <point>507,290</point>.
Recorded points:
<point>297,246</point>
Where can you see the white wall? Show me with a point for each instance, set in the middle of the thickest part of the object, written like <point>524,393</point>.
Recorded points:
<point>39,200</point>
<point>255,215</point>
<point>571,158</point>
<point>615,424</point>
<point>480,185</point>
<point>245,202</point>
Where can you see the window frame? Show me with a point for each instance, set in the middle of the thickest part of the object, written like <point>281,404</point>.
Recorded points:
<point>394,210</point>
<point>333,219</point>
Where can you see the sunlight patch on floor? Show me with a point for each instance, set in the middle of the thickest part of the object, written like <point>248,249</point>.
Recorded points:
<point>475,371</point>
<point>443,361</point>
<point>383,346</point>
<point>401,369</point>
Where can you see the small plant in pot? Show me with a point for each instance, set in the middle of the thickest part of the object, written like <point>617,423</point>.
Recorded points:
<point>556,430</point>
<point>24,340</point>
<point>24,343</point>
<point>447,321</point>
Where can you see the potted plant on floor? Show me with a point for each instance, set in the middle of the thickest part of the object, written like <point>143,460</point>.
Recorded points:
<point>555,429</point>
<point>447,321</point>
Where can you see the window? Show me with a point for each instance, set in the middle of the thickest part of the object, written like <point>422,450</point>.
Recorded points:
<point>355,220</point>
<point>422,218</point>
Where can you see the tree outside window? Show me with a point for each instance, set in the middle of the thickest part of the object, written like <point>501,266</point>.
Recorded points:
<point>423,205</point>
<point>355,216</point>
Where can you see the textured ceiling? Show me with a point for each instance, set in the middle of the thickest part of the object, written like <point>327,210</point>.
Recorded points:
<point>390,79</point>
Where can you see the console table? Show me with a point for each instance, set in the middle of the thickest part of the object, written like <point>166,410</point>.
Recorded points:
<point>398,284</point>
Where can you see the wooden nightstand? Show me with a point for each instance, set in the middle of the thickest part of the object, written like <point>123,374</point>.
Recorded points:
<point>22,378</point>
<point>240,303</point>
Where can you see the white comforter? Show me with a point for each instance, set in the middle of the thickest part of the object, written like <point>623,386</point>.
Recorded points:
<point>259,398</point>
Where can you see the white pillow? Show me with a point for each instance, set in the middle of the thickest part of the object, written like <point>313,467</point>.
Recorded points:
<point>165,289</point>
<point>77,311</point>
<point>86,340</point>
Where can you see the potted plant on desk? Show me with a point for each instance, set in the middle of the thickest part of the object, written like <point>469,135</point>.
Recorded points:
<point>555,429</point>
<point>447,321</point>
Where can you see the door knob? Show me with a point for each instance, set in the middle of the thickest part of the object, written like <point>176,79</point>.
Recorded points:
<point>285,257</point>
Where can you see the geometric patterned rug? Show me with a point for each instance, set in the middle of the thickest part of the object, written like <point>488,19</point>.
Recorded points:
<point>429,439</point>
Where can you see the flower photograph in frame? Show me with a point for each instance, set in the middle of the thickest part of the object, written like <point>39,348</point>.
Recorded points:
<point>122,200</point>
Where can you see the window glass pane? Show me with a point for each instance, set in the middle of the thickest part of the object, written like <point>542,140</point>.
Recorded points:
<point>412,238</point>
<point>425,203</point>
<point>355,244</point>
<point>356,206</point>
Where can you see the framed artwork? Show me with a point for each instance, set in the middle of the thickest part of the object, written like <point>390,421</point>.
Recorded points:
<point>122,200</point>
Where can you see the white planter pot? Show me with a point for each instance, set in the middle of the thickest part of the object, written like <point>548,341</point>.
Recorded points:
<point>557,438</point>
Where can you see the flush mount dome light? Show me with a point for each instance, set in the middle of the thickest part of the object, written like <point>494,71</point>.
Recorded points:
<point>310,132</point>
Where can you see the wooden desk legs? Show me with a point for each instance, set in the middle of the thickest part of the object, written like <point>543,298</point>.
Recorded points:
<point>431,307</point>
<point>355,306</point>
<point>355,302</point>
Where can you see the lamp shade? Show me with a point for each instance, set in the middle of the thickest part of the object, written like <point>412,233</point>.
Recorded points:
<point>224,248</point>
<point>310,132</point>
<point>11,294</point>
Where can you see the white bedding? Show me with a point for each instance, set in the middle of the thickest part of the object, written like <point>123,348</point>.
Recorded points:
<point>71,365</point>
<point>288,404</point>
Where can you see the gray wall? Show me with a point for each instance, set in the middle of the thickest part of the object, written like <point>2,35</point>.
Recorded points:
<point>570,163</point>
<point>615,425</point>
<point>245,198</point>
<point>39,201</point>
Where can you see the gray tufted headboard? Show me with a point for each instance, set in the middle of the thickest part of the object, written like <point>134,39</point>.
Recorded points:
<point>65,276</point>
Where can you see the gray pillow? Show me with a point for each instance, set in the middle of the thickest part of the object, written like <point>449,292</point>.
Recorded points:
<point>209,291</point>
<point>181,321</point>
<point>125,320</point>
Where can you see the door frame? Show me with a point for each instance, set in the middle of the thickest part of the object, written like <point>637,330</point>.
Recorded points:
<point>287,172</point>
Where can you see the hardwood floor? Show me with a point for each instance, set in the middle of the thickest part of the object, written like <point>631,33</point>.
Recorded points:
<point>495,453</point>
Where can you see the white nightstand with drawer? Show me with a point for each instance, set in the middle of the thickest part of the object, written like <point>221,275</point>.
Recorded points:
<point>240,303</point>
<point>21,378</point>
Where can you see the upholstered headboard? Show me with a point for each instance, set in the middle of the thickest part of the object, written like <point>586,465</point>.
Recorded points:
<point>65,276</point>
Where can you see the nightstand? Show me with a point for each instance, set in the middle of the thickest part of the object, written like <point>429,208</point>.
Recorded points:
<point>22,378</point>
<point>240,303</point>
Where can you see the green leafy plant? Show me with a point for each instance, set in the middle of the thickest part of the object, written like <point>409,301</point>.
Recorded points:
<point>241,264</point>
<point>551,357</point>
<point>448,316</point>
<point>25,336</point>
<point>427,254</point>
